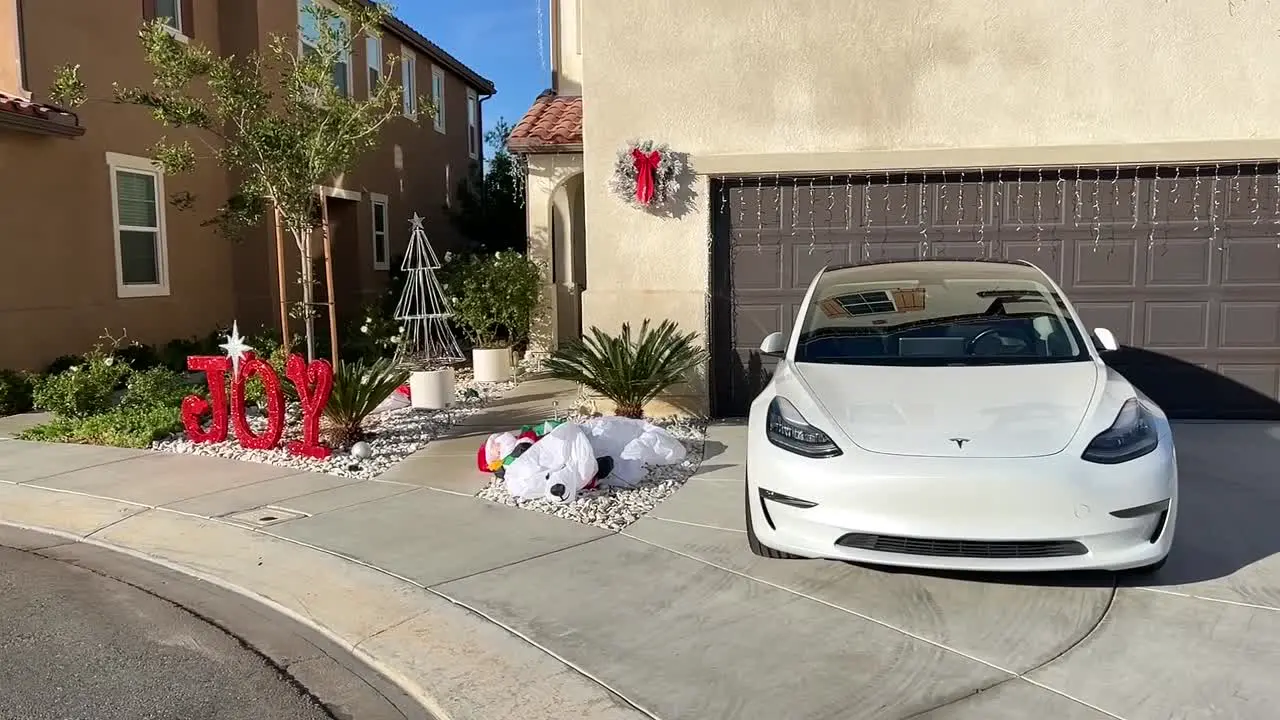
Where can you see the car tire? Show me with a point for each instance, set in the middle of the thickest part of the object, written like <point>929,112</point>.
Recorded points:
<point>757,547</point>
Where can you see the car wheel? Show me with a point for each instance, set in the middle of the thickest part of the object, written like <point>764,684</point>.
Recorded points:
<point>754,543</point>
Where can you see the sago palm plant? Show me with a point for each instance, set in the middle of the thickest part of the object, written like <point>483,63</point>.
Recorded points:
<point>358,389</point>
<point>629,371</point>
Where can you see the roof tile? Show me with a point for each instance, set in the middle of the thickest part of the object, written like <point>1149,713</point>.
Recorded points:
<point>38,111</point>
<point>554,122</point>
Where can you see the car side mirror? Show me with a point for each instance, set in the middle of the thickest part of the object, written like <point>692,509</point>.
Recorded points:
<point>1105,340</point>
<point>774,345</point>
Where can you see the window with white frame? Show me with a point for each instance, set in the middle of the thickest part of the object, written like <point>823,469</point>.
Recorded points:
<point>137,209</point>
<point>409,79</point>
<point>381,244</point>
<point>473,124</point>
<point>309,40</point>
<point>373,59</point>
<point>437,96</point>
<point>170,12</point>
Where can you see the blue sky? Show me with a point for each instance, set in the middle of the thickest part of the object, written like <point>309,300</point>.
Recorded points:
<point>497,38</point>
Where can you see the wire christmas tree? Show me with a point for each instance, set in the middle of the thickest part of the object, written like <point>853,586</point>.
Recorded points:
<point>423,310</point>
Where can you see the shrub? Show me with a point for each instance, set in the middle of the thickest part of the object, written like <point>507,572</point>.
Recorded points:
<point>358,389</point>
<point>122,427</point>
<point>374,334</point>
<point>494,297</point>
<point>628,371</point>
<point>156,387</point>
<point>138,356</point>
<point>174,354</point>
<point>84,389</point>
<point>62,363</point>
<point>16,389</point>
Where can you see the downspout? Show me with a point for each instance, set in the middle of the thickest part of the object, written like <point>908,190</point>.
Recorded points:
<point>555,46</point>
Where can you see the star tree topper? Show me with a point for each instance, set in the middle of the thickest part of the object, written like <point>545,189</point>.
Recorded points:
<point>236,348</point>
<point>416,221</point>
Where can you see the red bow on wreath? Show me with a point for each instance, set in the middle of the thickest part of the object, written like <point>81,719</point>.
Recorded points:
<point>646,167</point>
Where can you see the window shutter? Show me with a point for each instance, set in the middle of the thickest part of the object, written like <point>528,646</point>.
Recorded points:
<point>188,18</point>
<point>148,10</point>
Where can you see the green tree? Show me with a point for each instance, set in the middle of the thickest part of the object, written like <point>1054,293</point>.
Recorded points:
<point>490,212</point>
<point>276,121</point>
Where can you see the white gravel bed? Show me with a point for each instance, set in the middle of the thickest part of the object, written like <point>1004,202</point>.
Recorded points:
<point>393,435</point>
<point>616,508</point>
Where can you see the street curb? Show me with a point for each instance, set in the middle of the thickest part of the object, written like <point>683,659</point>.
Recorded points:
<point>413,690</point>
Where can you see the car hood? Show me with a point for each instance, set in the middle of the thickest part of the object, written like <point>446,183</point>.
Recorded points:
<point>983,411</point>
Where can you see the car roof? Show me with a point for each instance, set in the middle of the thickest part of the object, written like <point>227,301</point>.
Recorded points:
<point>932,268</point>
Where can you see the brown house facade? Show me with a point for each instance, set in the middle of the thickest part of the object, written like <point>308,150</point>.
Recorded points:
<point>93,240</point>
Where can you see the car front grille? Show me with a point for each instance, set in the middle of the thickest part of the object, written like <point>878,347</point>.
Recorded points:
<point>993,550</point>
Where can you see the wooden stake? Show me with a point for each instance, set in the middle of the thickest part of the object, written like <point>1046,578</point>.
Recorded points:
<point>328,273</point>
<point>284,298</point>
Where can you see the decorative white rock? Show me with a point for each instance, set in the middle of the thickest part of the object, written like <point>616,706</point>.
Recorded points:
<point>362,450</point>
<point>431,389</point>
<point>491,364</point>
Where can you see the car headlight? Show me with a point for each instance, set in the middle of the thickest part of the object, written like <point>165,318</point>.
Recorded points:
<point>1131,436</point>
<point>787,428</point>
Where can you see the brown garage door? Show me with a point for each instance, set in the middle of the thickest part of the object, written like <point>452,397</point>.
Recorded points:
<point>1182,264</point>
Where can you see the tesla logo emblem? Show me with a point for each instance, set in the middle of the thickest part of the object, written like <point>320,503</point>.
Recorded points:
<point>960,442</point>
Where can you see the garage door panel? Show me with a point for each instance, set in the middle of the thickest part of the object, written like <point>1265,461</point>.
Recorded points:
<point>1179,262</point>
<point>757,268</point>
<point>756,320</point>
<point>1263,379</point>
<point>1112,263</point>
<point>1176,325</point>
<point>1252,261</point>
<point>1194,300</point>
<point>960,249</point>
<point>1249,325</point>
<point>1045,254</point>
<point>1118,317</point>
<point>807,260</point>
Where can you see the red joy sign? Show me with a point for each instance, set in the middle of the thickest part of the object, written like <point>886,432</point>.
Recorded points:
<point>314,382</point>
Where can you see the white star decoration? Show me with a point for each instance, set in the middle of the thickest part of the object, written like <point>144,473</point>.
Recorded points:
<point>416,221</point>
<point>235,347</point>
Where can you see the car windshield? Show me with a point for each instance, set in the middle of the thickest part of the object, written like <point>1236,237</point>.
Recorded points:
<point>939,321</point>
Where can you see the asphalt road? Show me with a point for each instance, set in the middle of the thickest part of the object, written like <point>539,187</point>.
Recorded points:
<point>75,645</point>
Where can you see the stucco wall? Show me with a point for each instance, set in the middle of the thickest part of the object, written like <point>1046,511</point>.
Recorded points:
<point>761,77</point>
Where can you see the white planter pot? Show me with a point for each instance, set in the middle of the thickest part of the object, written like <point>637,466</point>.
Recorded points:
<point>491,364</point>
<point>431,389</point>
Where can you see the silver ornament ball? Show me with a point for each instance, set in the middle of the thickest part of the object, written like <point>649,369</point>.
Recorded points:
<point>362,450</point>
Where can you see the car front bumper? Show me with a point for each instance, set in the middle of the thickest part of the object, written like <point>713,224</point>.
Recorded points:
<point>1024,514</point>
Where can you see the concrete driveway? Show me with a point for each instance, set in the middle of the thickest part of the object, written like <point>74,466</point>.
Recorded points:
<point>494,612</point>
<point>686,623</point>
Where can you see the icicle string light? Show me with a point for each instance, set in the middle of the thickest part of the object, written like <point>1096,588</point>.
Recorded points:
<point>1039,207</point>
<point>982,218</point>
<point>1255,205</point>
<point>813,224</point>
<point>1017,207</point>
<point>1155,204</point>
<point>866,217</point>
<point>1195,199</point>
<point>759,213</point>
<point>1214,209</point>
<point>920,216</point>
<point>1097,209</point>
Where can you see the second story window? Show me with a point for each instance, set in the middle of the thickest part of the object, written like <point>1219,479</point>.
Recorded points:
<point>175,14</point>
<point>437,96</point>
<point>473,124</point>
<point>409,79</point>
<point>309,41</point>
<point>373,58</point>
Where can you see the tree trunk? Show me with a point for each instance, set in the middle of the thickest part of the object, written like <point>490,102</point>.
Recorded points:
<point>302,236</point>
<point>629,411</point>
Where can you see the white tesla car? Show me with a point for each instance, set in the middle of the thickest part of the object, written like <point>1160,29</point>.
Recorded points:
<point>953,415</point>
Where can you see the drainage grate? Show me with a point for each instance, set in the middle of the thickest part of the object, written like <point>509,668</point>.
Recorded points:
<point>266,515</point>
<point>993,550</point>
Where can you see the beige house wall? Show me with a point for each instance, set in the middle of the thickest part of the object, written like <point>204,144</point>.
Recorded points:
<point>764,86</point>
<point>568,47</point>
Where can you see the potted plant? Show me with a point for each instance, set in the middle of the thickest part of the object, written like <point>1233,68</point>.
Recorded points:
<point>493,299</point>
